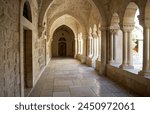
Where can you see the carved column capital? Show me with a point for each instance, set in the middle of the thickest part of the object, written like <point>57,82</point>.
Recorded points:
<point>128,27</point>
<point>114,30</point>
<point>104,28</point>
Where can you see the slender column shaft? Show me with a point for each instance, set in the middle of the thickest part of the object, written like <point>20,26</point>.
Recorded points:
<point>130,60</point>
<point>111,47</point>
<point>89,43</point>
<point>125,41</point>
<point>92,49</point>
<point>146,53</point>
<point>76,48</point>
<point>114,46</point>
<point>99,55</point>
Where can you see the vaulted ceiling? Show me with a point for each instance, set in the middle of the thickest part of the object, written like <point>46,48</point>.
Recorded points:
<point>78,8</point>
<point>105,7</point>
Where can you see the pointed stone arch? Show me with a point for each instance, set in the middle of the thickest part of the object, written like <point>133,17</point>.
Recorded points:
<point>45,5</point>
<point>130,14</point>
<point>27,11</point>
<point>129,23</point>
<point>63,20</point>
<point>63,44</point>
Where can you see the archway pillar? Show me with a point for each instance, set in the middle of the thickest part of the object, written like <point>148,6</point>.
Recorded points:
<point>130,53</point>
<point>99,48</point>
<point>98,61</point>
<point>113,33</point>
<point>92,47</point>
<point>50,48</point>
<point>95,54</point>
<point>84,39</point>
<point>90,51</point>
<point>127,48</point>
<point>111,47</point>
<point>125,51</point>
<point>146,53</point>
<point>76,48</point>
<point>102,68</point>
<point>89,46</point>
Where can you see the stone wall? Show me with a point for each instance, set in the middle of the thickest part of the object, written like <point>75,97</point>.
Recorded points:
<point>38,45</point>
<point>132,81</point>
<point>9,48</point>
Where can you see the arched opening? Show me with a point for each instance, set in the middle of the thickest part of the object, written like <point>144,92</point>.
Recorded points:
<point>137,43</point>
<point>66,20</point>
<point>62,47</point>
<point>27,11</point>
<point>135,37</point>
<point>63,44</point>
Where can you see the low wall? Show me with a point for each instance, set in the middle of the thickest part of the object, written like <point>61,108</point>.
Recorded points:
<point>134,82</point>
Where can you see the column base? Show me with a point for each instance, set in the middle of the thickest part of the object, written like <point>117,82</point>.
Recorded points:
<point>94,62</point>
<point>98,63</point>
<point>144,73</point>
<point>89,61</point>
<point>126,66</point>
<point>83,59</point>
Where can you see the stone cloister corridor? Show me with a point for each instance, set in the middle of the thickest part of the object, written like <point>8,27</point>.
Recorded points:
<point>67,77</point>
<point>74,48</point>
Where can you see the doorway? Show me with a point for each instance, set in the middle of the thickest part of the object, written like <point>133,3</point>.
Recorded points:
<point>28,66</point>
<point>62,47</point>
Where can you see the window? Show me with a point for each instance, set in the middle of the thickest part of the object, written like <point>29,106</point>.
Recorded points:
<point>27,11</point>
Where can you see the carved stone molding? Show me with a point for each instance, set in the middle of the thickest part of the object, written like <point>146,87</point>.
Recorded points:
<point>41,30</point>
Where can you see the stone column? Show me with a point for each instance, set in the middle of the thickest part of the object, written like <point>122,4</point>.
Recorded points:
<point>80,46</point>
<point>130,55</point>
<point>95,47</point>
<point>92,47</point>
<point>102,69</point>
<point>76,48</point>
<point>111,47</point>
<point>50,47</point>
<point>125,41</point>
<point>114,45</point>
<point>146,57</point>
<point>89,46</point>
<point>83,60</point>
<point>99,48</point>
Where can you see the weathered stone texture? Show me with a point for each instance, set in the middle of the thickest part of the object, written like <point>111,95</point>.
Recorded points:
<point>78,15</point>
<point>9,49</point>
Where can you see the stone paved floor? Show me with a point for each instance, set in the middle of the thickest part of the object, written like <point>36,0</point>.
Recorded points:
<point>69,78</point>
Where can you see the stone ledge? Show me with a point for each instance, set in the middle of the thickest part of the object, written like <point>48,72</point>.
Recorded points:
<point>134,82</point>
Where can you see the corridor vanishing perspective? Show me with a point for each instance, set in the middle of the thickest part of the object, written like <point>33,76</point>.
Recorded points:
<point>74,48</point>
<point>66,77</point>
